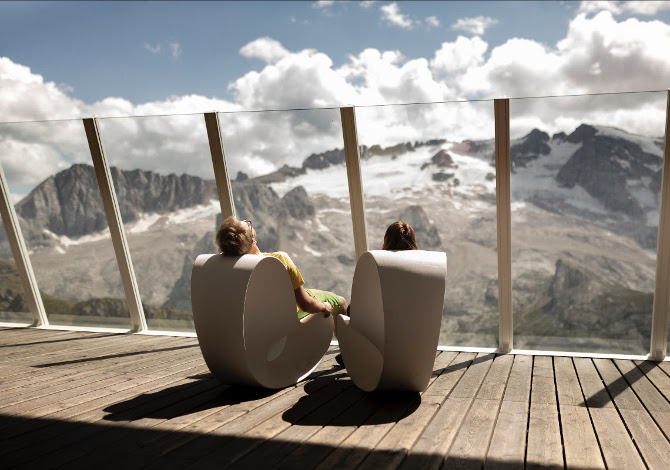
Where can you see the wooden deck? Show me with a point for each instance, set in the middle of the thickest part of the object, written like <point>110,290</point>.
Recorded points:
<point>100,400</point>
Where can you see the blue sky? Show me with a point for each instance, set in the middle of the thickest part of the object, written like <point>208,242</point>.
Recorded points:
<point>102,49</point>
<point>68,60</point>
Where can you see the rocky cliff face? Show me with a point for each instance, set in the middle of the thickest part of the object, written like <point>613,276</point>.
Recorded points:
<point>69,202</point>
<point>604,165</point>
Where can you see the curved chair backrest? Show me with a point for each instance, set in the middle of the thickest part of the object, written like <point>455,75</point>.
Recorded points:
<point>245,317</point>
<point>391,339</point>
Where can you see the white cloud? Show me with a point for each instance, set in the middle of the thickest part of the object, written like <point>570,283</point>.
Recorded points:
<point>266,49</point>
<point>391,14</point>
<point>459,55</point>
<point>646,7</point>
<point>432,21</point>
<point>598,54</point>
<point>477,25</point>
<point>153,49</point>
<point>323,4</point>
<point>173,49</point>
<point>367,3</point>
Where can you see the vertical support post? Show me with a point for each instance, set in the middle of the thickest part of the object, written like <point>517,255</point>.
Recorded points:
<point>504,216</point>
<point>115,224</point>
<point>219,162</point>
<point>659,323</point>
<point>20,252</point>
<point>352,158</point>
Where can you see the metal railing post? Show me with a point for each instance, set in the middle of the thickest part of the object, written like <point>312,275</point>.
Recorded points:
<point>503,217</point>
<point>115,224</point>
<point>352,158</point>
<point>20,252</point>
<point>223,186</point>
<point>659,323</point>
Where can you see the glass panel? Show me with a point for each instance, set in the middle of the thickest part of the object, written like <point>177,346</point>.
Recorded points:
<point>586,174</point>
<point>48,167</point>
<point>432,166</point>
<point>291,181</point>
<point>162,172</point>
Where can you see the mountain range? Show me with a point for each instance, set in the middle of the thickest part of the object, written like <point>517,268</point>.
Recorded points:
<point>585,209</point>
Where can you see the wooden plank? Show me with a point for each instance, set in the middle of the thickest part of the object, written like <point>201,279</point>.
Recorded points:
<point>580,443</point>
<point>646,392</point>
<point>472,442</point>
<point>567,384</point>
<point>450,376</point>
<point>655,374</point>
<point>650,441</point>
<point>579,439</point>
<point>616,444</point>
<point>617,386</point>
<point>325,441</point>
<point>434,443</point>
<point>495,382</point>
<point>593,388</point>
<point>544,448</point>
<point>543,391</point>
<point>508,443</point>
<point>393,448</point>
<point>270,452</point>
<point>544,438</point>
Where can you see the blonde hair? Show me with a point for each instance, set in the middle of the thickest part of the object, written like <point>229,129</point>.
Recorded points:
<point>234,238</point>
<point>399,236</point>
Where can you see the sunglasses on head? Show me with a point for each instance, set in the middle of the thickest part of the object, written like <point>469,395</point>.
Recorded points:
<point>248,222</point>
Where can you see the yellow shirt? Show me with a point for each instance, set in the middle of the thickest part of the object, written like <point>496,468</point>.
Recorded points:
<point>294,274</point>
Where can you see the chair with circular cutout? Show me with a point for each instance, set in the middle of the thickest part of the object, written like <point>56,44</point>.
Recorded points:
<point>390,341</point>
<point>245,317</point>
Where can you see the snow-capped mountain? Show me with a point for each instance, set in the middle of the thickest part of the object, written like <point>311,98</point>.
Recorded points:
<point>585,206</point>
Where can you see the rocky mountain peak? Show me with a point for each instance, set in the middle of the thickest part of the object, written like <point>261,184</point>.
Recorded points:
<point>530,147</point>
<point>582,133</point>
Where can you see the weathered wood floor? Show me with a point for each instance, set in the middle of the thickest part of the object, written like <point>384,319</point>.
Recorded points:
<point>97,400</point>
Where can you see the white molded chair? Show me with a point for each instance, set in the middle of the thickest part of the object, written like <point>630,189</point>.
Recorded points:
<point>245,318</point>
<point>391,339</point>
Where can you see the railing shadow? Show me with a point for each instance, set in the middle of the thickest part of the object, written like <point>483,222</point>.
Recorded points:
<point>59,340</point>
<point>606,395</point>
<point>116,356</point>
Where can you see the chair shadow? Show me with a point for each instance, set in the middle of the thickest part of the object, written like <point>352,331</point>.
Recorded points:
<point>228,395</point>
<point>332,390</point>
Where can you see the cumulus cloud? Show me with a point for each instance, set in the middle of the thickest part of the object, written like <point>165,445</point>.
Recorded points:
<point>391,15</point>
<point>646,7</point>
<point>598,54</point>
<point>367,3</point>
<point>432,21</point>
<point>477,25</point>
<point>266,49</point>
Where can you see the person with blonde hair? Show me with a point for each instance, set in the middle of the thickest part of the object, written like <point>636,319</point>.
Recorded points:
<point>238,237</point>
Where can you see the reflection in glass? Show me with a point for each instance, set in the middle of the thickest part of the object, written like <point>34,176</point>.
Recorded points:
<point>291,180</point>
<point>162,172</point>
<point>49,172</point>
<point>586,174</point>
<point>432,166</point>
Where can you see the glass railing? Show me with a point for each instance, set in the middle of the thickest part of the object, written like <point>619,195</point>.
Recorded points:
<point>585,185</point>
<point>62,219</point>
<point>162,172</point>
<point>586,178</point>
<point>290,179</point>
<point>432,166</point>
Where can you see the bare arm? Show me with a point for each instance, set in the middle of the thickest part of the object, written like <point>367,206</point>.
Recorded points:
<point>309,304</point>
